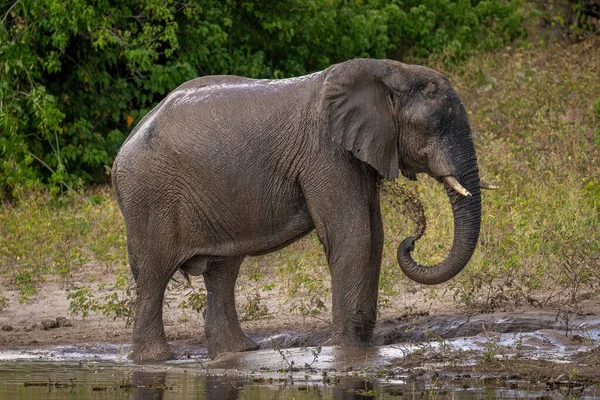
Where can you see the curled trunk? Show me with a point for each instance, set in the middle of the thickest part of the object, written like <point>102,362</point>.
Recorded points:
<point>467,221</point>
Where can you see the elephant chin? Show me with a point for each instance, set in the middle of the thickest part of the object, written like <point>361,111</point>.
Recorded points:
<point>467,222</point>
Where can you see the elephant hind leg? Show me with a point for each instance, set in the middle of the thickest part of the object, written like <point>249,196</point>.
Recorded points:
<point>223,331</point>
<point>149,340</point>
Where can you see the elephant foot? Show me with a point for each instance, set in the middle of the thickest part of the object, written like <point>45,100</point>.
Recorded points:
<point>151,352</point>
<point>230,344</point>
<point>348,341</point>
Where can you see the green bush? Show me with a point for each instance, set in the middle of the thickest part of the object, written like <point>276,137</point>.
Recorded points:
<point>76,75</point>
<point>43,236</point>
<point>452,29</point>
<point>578,18</point>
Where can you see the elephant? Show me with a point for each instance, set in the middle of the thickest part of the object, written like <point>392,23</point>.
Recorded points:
<point>226,167</point>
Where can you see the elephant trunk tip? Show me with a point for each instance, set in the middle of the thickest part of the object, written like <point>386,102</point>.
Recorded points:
<point>406,247</point>
<point>408,265</point>
<point>425,275</point>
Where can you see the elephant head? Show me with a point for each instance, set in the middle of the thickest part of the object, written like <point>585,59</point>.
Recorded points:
<point>395,116</point>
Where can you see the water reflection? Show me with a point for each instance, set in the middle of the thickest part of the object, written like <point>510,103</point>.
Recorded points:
<point>148,384</point>
<point>350,388</point>
<point>101,381</point>
<point>224,387</point>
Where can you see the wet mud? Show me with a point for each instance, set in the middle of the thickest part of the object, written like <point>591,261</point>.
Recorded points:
<point>530,346</point>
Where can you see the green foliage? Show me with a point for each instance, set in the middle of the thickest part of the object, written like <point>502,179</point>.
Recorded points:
<point>255,308</point>
<point>539,240</point>
<point>584,17</point>
<point>592,190</point>
<point>489,356</point>
<point>453,29</point>
<point>119,304</point>
<point>3,301</point>
<point>42,236</point>
<point>24,282</point>
<point>71,73</point>
<point>492,347</point>
<point>75,77</point>
<point>578,19</point>
<point>304,273</point>
<point>82,301</point>
<point>195,301</point>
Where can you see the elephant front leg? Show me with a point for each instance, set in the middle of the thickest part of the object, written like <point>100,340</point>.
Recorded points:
<point>347,218</point>
<point>353,246</point>
<point>355,283</point>
<point>223,331</point>
<point>354,270</point>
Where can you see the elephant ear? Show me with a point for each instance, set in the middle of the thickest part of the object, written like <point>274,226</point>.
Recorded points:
<point>359,109</point>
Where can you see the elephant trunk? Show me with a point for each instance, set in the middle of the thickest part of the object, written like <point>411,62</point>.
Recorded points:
<point>467,221</point>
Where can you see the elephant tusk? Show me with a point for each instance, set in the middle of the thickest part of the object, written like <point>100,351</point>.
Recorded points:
<point>488,186</point>
<point>458,188</point>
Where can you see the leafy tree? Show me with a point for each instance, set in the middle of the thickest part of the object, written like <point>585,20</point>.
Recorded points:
<point>452,29</point>
<point>77,75</point>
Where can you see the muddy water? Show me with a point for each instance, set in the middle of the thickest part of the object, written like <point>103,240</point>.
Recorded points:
<point>96,380</point>
<point>101,371</point>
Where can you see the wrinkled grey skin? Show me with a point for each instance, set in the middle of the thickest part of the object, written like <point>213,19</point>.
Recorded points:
<point>226,167</point>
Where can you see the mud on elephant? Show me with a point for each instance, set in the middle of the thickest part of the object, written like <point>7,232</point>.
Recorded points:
<point>226,167</point>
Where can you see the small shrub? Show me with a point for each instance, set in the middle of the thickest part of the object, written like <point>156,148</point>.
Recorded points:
<point>255,308</point>
<point>82,301</point>
<point>3,301</point>
<point>491,354</point>
<point>120,304</point>
<point>24,282</point>
<point>306,285</point>
<point>584,17</point>
<point>573,375</point>
<point>117,305</point>
<point>195,300</point>
<point>43,237</point>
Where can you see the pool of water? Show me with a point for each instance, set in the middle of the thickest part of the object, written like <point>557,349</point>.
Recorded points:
<point>102,371</point>
<point>102,380</point>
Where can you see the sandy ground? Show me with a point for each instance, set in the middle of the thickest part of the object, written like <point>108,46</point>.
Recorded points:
<point>410,318</point>
<point>27,325</point>
<point>22,324</point>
